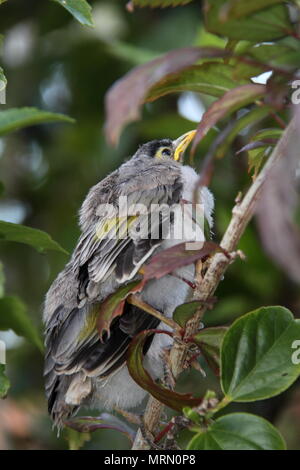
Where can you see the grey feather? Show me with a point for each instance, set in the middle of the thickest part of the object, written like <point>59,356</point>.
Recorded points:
<point>79,369</point>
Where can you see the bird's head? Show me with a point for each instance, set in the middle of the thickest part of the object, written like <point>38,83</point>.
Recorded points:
<point>166,148</point>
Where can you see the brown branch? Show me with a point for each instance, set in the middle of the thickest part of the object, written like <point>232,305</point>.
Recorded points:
<point>241,215</point>
<point>138,302</point>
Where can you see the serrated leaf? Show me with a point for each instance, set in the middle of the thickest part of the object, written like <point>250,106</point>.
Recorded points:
<point>13,316</point>
<point>141,376</point>
<point>256,356</point>
<point>113,306</point>
<point>4,382</point>
<point>16,118</point>
<point>211,78</point>
<point>238,431</point>
<point>265,25</point>
<point>283,55</point>
<point>125,98</point>
<point>160,3</point>
<point>80,9</point>
<point>231,101</point>
<point>39,240</point>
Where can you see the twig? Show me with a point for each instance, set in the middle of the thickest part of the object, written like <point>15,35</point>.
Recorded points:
<point>241,215</point>
<point>138,302</point>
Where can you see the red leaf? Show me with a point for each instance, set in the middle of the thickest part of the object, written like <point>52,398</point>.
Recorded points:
<point>92,423</point>
<point>125,98</point>
<point>174,400</point>
<point>177,256</point>
<point>230,102</point>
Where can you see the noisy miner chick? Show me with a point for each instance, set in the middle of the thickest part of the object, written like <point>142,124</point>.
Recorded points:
<point>80,369</point>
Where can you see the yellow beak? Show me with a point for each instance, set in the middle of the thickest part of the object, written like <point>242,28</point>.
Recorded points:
<point>181,144</point>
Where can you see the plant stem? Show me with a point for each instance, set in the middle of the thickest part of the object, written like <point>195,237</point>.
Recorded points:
<point>138,302</point>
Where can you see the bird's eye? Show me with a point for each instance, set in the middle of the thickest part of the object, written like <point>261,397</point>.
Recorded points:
<point>166,152</point>
<point>163,152</point>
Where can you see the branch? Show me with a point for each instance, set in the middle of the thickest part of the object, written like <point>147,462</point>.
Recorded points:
<point>241,215</point>
<point>138,302</point>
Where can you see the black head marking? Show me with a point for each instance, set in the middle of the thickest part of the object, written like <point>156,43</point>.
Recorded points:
<point>150,148</point>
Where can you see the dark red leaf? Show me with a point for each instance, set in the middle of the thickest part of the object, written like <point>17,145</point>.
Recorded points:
<point>177,256</point>
<point>231,101</point>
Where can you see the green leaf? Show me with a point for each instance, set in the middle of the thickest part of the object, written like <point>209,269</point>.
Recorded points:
<point>16,118</point>
<point>76,439</point>
<point>272,133</point>
<point>256,157</point>
<point>238,431</point>
<point>39,240</point>
<point>141,376</point>
<point>209,341</point>
<point>111,308</point>
<point>231,101</point>
<point>211,336</point>
<point>265,25</point>
<point>239,8</point>
<point>211,78</point>
<point>80,9</point>
<point>4,382</point>
<point>250,118</point>
<point>256,356</point>
<point>159,3</point>
<point>184,312</point>
<point>13,316</point>
<point>284,54</point>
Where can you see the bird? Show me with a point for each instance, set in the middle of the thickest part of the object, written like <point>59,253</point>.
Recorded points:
<point>80,368</point>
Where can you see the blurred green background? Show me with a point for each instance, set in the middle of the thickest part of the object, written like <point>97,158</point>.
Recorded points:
<point>54,63</point>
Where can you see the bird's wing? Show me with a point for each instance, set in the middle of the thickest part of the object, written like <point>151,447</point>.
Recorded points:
<point>119,244</point>
<point>72,341</point>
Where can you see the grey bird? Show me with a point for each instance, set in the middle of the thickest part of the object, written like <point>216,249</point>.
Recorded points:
<point>80,369</point>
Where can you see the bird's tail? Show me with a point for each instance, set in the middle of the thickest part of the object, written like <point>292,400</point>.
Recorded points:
<point>56,387</point>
